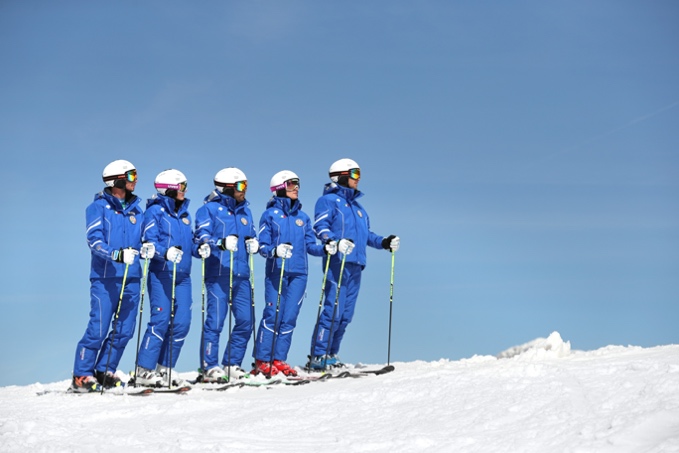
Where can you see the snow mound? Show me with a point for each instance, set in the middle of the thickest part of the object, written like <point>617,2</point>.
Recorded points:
<point>553,347</point>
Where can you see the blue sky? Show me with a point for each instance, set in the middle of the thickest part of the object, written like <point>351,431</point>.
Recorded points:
<point>526,153</point>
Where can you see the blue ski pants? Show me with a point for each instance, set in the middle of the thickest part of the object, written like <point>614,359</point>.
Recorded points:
<point>164,328</point>
<point>92,352</point>
<point>337,318</point>
<point>217,290</point>
<point>292,296</point>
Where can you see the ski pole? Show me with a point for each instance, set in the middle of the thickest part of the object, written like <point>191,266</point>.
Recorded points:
<point>391,303</point>
<point>141,314</point>
<point>318,316</point>
<point>334,309</point>
<point>252,311</point>
<point>228,354</point>
<point>115,325</point>
<point>171,346</point>
<point>202,312</point>
<point>275,321</point>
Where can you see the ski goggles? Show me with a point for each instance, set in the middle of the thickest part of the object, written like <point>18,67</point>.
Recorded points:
<point>131,176</point>
<point>354,173</point>
<point>181,187</point>
<point>289,185</point>
<point>292,184</point>
<point>239,186</point>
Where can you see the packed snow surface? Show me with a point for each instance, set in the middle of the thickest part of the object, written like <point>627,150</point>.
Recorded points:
<point>540,397</point>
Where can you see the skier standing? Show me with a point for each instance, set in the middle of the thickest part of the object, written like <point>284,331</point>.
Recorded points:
<point>338,216</point>
<point>114,238</point>
<point>285,232</point>
<point>168,242</point>
<point>225,223</point>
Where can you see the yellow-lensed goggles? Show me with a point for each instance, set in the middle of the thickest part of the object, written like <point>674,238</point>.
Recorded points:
<point>131,176</point>
<point>240,186</point>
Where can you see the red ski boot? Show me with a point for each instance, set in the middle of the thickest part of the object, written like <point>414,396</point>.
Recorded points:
<point>284,368</point>
<point>262,366</point>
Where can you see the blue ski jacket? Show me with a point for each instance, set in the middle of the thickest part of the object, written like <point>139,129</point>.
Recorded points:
<point>221,216</point>
<point>112,225</point>
<point>284,222</point>
<point>339,215</point>
<point>167,228</point>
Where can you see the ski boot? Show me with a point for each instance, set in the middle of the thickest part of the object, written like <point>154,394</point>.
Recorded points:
<point>262,366</point>
<point>108,379</point>
<point>284,368</point>
<point>147,378</point>
<point>85,384</point>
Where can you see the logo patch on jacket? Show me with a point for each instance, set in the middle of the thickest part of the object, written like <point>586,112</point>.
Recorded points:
<point>133,220</point>
<point>243,220</point>
<point>360,214</point>
<point>299,222</point>
<point>186,220</point>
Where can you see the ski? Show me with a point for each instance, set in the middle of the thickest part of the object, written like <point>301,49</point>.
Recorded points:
<point>311,377</point>
<point>138,392</point>
<point>235,385</point>
<point>69,391</point>
<point>180,390</point>
<point>199,380</point>
<point>383,370</point>
<point>327,376</point>
<point>285,381</point>
<point>347,374</point>
<point>220,387</point>
<point>174,389</point>
<point>359,372</point>
<point>267,383</point>
<point>354,373</point>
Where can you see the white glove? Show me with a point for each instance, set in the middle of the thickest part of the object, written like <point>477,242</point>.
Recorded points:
<point>346,246</point>
<point>148,250</point>
<point>128,255</point>
<point>252,245</point>
<point>284,251</point>
<point>125,255</point>
<point>331,247</point>
<point>229,243</point>
<point>174,254</point>
<point>204,250</point>
<point>391,243</point>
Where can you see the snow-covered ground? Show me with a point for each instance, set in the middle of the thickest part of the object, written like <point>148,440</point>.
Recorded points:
<point>539,397</point>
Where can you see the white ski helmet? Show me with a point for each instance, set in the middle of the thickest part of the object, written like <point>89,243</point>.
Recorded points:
<point>170,180</point>
<point>229,176</point>
<point>278,180</point>
<point>342,167</point>
<point>119,170</point>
